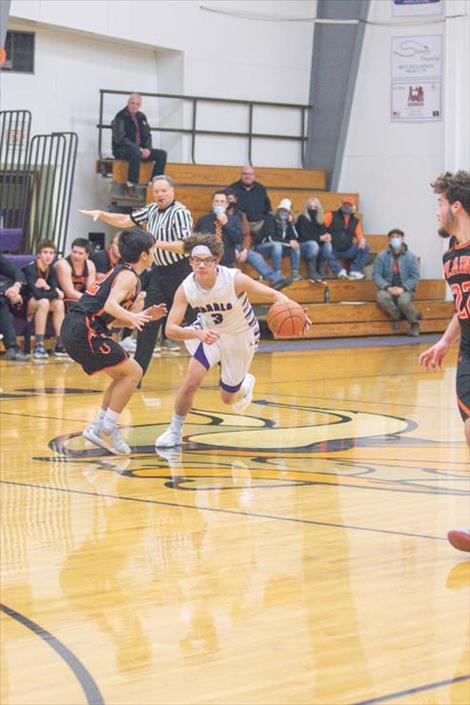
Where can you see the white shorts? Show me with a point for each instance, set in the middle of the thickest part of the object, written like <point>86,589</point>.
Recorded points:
<point>234,352</point>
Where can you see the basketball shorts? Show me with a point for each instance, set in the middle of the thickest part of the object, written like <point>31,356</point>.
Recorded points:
<point>96,352</point>
<point>233,352</point>
<point>463,385</point>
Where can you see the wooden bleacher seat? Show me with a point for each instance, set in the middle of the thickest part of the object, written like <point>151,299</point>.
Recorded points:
<point>352,310</point>
<point>121,169</point>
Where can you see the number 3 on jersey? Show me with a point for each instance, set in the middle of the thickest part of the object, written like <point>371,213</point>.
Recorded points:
<point>217,318</point>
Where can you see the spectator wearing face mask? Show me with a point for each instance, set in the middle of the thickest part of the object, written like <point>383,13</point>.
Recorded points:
<point>348,241</point>
<point>396,274</point>
<point>315,242</point>
<point>278,237</point>
<point>226,227</point>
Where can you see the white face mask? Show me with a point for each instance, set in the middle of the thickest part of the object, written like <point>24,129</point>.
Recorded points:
<point>218,210</point>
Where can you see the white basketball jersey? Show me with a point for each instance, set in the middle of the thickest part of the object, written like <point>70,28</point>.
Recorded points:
<point>220,307</point>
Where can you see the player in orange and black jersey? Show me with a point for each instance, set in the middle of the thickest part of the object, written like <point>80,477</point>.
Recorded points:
<point>86,336</point>
<point>454,219</point>
<point>76,272</point>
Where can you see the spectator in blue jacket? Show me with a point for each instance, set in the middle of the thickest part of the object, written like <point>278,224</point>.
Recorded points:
<point>396,274</point>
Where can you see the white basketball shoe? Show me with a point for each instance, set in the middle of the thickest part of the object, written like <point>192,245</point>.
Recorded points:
<point>246,390</point>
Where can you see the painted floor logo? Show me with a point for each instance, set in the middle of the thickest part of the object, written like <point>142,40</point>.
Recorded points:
<point>326,446</point>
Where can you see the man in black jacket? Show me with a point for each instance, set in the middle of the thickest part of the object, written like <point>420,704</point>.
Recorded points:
<point>226,227</point>
<point>252,199</point>
<point>11,282</point>
<point>132,140</point>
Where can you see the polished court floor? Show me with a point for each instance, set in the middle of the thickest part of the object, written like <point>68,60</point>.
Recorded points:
<point>295,554</point>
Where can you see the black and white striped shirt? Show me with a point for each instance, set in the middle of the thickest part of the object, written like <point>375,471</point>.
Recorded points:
<point>168,224</point>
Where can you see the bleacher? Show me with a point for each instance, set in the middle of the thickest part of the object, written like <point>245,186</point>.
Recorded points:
<point>351,310</point>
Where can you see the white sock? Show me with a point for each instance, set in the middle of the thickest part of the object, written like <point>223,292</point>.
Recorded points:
<point>100,416</point>
<point>110,419</point>
<point>177,422</point>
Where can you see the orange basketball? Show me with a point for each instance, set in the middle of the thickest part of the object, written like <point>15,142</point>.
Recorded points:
<point>286,319</point>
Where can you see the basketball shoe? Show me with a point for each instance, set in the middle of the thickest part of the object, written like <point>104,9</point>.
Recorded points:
<point>171,437</point>
<point>246,390</point>
<point>108,439</point>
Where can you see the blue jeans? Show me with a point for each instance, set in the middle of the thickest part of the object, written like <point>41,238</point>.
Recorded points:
<point>358,258</point>
<point>275,250</point>
<point>310,250</point>
<point>258,262</point>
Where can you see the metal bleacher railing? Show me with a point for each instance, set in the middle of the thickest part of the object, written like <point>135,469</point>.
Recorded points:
<point>36,179</point>
<point>194,131</point>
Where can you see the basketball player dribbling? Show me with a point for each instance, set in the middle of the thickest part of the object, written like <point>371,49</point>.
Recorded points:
<point>454,221</point>
<point>115,302</point>
<point>226,331</point>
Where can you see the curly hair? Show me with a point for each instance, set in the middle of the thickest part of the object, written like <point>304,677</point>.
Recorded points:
<point>455,187</point>
<point>210,240</point>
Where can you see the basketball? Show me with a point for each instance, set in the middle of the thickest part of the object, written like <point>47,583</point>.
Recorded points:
<point>459,538</point>
<point>286,319</point>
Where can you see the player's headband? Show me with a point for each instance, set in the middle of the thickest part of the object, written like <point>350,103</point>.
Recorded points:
<point>200,250</point>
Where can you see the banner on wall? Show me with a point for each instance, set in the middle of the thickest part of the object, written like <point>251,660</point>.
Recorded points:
<point>416,57</point>
<point>411,8</point>
<point>416,102</point>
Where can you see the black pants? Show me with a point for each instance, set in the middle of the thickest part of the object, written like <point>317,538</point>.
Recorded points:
<point>6,323</point>
<point>161,284</point>
<point>134,157</point>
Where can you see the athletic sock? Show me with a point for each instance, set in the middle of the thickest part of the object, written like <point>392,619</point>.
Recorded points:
<point>177,422</point>
<point>110,419</point>
<point>39,339</point>
<point>100,416</point>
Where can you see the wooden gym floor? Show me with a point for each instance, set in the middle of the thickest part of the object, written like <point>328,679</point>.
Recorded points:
<point>293,555</point>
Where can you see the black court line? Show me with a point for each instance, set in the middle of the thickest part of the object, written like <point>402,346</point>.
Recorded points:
<point>255,515</point>
<point>411,691</point>
<point>89,687</point>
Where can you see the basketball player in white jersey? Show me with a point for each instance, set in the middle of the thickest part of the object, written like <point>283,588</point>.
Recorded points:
<point>226,330</point>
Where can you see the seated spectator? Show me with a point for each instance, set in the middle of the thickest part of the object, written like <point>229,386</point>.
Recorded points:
<point>225,226</point>
<point>278,238</point>
<point>76,272</point>
<point>315,242</point>
<point>233,209</point>
<point>396,274</point>
<point>132,140</point>
<point>347,240</point>
<point>252,199</point>
<point>106,260</point>
<point>246,253</point>
<point>11,283</point>
<point>44,297</point>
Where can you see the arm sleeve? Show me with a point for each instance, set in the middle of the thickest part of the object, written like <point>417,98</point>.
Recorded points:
<point>358,230</point>
<point>378,271</point>
<point>292,232</point>
<point>140,216</point>
<point>8,270</point>
<point>182,224</point>
<point>31,276</point>
<point>233,230</point>
<point>267,202</point>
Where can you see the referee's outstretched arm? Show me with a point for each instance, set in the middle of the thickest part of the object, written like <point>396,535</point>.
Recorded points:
<point>119,220</point>
<point>177,246</point>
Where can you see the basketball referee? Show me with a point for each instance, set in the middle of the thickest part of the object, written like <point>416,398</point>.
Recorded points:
<point>168,221</point>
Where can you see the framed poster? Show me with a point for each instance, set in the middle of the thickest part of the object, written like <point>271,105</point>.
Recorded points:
<point>419,101</point>
<point>410,8</point>
<point>416,57</point>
